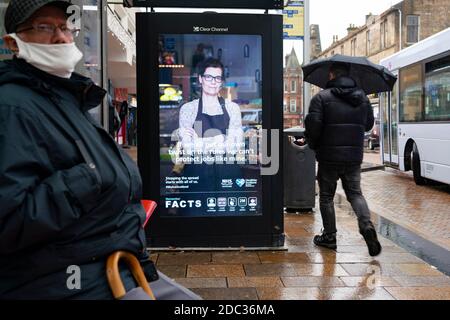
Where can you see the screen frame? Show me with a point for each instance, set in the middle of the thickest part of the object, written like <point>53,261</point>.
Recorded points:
<point>230,231</point>
<point>216,4</point>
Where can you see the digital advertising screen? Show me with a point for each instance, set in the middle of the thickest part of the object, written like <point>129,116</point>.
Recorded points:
<point>210,112</point>
<point>210,95</point>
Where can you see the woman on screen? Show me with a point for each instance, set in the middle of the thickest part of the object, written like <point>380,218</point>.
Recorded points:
<point>211,127</point>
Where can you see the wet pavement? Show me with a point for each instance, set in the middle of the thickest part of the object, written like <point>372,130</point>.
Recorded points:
<point>372,157</point>
<point>415,217</point>
<point>306,272</point>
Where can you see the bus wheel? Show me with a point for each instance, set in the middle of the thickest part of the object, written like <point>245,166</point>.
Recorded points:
<point>418,179</point>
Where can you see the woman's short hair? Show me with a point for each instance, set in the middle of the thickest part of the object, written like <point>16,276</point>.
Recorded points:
<point>211,63</point>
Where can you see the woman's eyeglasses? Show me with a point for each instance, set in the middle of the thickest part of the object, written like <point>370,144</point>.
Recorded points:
<point>209,78</point>
<point>50,30</point>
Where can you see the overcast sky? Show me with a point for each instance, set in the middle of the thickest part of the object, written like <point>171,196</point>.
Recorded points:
<point>334,16</point>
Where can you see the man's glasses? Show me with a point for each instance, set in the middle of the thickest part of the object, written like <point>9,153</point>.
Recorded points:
<point>209,78</point>
<point>50,30</point>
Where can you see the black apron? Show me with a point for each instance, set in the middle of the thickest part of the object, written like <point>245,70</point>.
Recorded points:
<point>212,175</point>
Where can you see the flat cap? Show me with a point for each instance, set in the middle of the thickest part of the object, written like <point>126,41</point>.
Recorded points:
<point>19,11</point>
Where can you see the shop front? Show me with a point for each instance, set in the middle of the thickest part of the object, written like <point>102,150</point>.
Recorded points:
<point>5,53</point>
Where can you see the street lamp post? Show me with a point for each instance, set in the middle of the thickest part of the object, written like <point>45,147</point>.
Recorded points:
<point>306,58</point>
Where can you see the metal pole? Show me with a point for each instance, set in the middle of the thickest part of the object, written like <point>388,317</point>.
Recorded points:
<point>306,58</point>
<point>103,10</point>
<point>400,30</point>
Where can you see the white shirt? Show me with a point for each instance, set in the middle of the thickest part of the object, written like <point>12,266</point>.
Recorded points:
<point>231,143</point>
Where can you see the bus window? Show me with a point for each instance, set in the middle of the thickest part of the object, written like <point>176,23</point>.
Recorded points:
<point>411,94</point>
<point>437,90</point>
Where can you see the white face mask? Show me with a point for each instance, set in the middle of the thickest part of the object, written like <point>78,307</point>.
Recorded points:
<point>57,59</point>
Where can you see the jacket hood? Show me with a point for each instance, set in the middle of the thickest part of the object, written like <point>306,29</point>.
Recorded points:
<point>20,72</point>
<point>346,89</point>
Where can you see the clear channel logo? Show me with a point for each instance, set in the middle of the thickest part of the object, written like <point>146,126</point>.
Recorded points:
<point>209,29</point>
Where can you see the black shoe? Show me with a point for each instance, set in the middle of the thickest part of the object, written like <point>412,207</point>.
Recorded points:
<point>326,240</point>
<point>370,236</point>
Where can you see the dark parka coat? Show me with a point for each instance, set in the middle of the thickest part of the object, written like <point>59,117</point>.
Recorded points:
<point>337,119</point>
<point>68,194</point>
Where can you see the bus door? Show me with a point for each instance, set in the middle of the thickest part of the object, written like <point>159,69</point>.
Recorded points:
<point>389,123</point>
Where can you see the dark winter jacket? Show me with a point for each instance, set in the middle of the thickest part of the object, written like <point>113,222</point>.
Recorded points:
<point>68,194</point>
<point>337,119</point>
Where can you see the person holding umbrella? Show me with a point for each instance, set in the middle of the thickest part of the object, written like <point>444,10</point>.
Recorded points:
<point>335,125</point>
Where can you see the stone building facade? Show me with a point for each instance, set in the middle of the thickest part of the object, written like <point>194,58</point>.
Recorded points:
<point>316,45</point>
<point>293,92</point>
<point>380,36</point>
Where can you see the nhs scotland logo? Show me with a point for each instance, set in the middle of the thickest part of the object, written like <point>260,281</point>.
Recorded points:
<point>240,182</point>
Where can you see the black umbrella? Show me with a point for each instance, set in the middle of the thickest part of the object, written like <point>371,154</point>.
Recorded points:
<point>370,77</point>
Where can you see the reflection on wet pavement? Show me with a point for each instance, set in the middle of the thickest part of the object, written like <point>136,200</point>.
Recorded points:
<point>306,272</point>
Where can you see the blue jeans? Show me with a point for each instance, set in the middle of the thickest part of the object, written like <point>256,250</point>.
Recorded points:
<point>350,175</point>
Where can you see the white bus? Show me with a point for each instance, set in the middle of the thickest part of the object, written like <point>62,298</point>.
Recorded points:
<point>415,116</point>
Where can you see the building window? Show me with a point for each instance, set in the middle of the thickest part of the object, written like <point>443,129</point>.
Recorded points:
<point>368,40</point>
<point>285,106</point>
<point>285,86</point>
<point>293,106</point>
<point>342,49</point>
<point>293,86</point>
<point>383,34</point>
<point>353,47</point>
<point>412,29</point>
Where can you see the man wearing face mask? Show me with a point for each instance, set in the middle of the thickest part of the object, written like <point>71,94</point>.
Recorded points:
<point>69,196</point>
